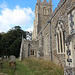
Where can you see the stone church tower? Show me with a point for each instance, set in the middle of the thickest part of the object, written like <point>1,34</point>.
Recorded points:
<point>43,11</point>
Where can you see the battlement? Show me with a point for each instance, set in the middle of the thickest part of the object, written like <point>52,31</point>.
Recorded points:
<point>39,1</point>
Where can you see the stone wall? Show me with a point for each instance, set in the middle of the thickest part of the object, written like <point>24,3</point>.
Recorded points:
<point>62,11</point>
<point>46,48</point>
<point>27,51</point>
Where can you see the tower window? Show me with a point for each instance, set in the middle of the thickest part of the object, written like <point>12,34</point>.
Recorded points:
<point>45,11</point>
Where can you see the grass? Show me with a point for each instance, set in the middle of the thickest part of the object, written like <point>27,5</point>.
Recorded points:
<point>42,67</point>
<point>21,69</point>
<point>32,66</point>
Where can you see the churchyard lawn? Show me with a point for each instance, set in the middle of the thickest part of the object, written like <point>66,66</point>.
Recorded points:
<point>32,66</point>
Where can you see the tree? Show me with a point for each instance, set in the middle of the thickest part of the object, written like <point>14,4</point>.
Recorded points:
<point>15,47</point>
<point>10,42</point>
<point>0,44</point>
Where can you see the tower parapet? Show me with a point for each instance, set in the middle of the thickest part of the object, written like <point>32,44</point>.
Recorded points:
<point>38,1</point>
<point>44,0</point>
<point>50,1</point>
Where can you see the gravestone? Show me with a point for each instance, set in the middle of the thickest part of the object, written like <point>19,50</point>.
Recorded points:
<point>12,62</point>
<point>3,74</point>
<point>1,62</point>
<point>7,57</point>
<point>4,58</point>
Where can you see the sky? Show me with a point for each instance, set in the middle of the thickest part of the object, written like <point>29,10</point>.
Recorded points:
<point>18,13</point>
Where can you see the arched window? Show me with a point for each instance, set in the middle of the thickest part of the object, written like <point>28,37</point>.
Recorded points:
<point>44,11</point>
<point>32,52</point>
<point>47,12</point>
<point>60,38</point>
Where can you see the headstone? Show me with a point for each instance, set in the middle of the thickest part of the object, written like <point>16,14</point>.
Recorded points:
<point>12,62</point>
<point>1,62</point>
<point>12,58</point>
<point>4,58</point>
<point>7,57</point>
<point>3,74</point>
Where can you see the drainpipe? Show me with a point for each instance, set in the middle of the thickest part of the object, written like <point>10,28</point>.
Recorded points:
<point>50,41</point>
<point>29,50</point>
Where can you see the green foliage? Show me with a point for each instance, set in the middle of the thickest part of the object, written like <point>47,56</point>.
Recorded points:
<point>15,47</point>
<point>0,44</point>
<point>10,42</point>
<point>0,36</point>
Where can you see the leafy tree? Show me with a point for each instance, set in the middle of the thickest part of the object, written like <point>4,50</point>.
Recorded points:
<point>15,47</point>
<point>10,42</point>
<point>0,36</point>
<point>0,43</point>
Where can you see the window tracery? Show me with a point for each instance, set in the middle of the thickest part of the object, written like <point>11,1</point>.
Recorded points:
<point>45,11</point>
<point>60,37</point>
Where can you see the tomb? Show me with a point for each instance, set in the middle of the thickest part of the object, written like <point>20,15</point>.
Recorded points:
<point>12,62</point>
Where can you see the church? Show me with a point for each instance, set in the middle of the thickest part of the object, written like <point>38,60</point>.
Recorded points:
<point>53,33</point>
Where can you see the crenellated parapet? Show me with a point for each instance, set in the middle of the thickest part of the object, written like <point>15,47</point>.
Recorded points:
<point>44,1</point>
<point>38,1</point>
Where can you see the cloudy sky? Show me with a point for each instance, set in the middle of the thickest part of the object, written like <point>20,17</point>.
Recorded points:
<point>18,12</point>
